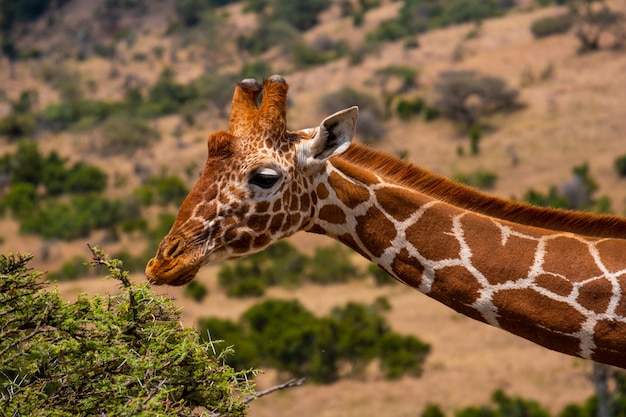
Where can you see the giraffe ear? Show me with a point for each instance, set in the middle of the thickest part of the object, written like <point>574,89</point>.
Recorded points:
<point>332,137</point>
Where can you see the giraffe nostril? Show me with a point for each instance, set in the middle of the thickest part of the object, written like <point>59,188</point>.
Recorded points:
<point>174,248</point>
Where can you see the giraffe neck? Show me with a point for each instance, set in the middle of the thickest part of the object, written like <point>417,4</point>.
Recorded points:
<point>558,289</point>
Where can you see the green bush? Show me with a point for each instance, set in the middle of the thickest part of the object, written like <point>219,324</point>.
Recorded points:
<point>125,135</point>
<point>505,406</point>
<point>117,355</point>
<point>388,30</point>
<point>400,355</point>
<point>284,335</point>
<point>332,265</point>
<point>620,165</point>
<point>454,88</point>
<point>73,269</point>
<point>167,96</point>
<point>551,199</point>
<point>28,164</point>
<point>360,329</point>
<point>552,25</point>
<point>270,33</point>
<point>164,189</point>
<point>18,125</point>
<point>480,179</point>
<point>196,291</point>
<point>73,219</point>
<point>300,15</point>
<point>409,108</point>
<point>280,264</point>
<point>21,199</point>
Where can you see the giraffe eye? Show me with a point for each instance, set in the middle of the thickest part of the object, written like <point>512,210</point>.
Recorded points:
<point>264,178</point>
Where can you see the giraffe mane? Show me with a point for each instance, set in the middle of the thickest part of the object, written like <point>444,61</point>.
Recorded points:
<point>465,197</point>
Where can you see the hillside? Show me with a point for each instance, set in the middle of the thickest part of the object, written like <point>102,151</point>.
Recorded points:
<point>575,115</point>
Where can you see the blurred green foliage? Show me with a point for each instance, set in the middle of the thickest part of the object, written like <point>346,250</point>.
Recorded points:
<point>284,335</point>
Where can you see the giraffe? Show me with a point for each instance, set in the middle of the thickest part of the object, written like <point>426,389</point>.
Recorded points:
<point>554,277</point>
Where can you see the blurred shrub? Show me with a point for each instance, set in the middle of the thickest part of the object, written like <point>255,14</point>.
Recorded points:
<point>162,190</point>
<point>196,291</point>
<point>300,15</point>
<point>401,355</point>
<point>167,96</point>
<point>465,95</point>
<point>125,135</point>
<point>18,125</point>
<point>552,199</point>
<point>279,264</point>
<point>482,179</point>
<point>504,406</point>
<point>552,25</point>
<point>270,33</point>
<point>408,108</point>
<point>74,219</point>
<point>21,199</point>
<point>620,165</point>
<point>286,336</point>
<point>332,265</point>
<point>71,270</point>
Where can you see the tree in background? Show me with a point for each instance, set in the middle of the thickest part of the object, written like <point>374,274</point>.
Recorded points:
<point>302,15</point>
<point>592,19</point>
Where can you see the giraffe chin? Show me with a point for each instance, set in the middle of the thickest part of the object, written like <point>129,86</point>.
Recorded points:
<point>161,272</point>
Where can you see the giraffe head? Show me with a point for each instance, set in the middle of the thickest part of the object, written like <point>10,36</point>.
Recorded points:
<point>256,186</point>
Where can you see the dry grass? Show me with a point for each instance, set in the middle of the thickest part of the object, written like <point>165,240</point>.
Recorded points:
<point>577,115</point>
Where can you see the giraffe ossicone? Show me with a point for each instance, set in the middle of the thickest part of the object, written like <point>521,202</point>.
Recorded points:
<point>554,277</point>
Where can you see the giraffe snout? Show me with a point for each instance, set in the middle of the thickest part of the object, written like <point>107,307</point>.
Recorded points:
<point>171,247</point>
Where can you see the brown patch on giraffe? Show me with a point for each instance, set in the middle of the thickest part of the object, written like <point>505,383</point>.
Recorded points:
<point>243,243</point>
<point>596,295</point>
<point>261,207</point>
<point>375,231</point>
<point>322,191</point>
<point>258,222</point>
<point>610,334</point>
<point>348,240</point>
<point>407,267</point>
<point>456,287</point>
<point>485,239</point>
<point>398,204</point>
<point>305,201</point>
<point>278,205</point>
<point>539,318</point>
<point>571,258</point>
<point>294,202</point>
<point>292,219</point>
<point>555,284</point>
<point>277,222</point>
<point>430,236</point>
<point>332,214</point>
<point>348,192</point>
<point>612,253</point>
<point>261,241</point>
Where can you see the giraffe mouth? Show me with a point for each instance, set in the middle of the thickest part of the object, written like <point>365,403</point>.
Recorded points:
<point>171,272</point>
